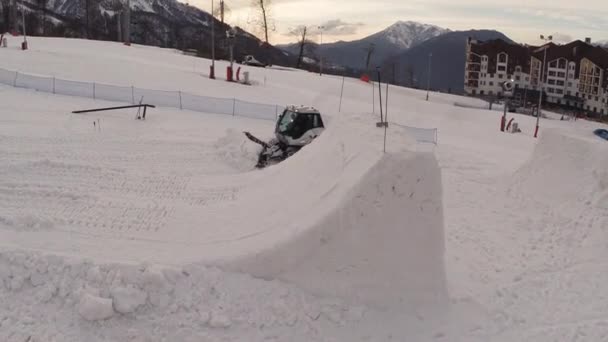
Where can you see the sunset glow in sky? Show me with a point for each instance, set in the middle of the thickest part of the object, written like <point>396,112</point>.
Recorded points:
<point>521,20</point>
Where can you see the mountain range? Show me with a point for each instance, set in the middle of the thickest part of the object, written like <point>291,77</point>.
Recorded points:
<point>396,38</point>
<point>402,53</point>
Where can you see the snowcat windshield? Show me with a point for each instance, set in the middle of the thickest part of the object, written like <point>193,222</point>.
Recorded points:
<point>286,121</point>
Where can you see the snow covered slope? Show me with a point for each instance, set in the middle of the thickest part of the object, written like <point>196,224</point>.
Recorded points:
<point>109,231</point>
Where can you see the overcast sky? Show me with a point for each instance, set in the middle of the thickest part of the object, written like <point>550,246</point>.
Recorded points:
<point>521,20</point>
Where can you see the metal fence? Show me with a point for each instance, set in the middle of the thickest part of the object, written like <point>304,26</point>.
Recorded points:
<point>162,98</point>
<point>422,135</point>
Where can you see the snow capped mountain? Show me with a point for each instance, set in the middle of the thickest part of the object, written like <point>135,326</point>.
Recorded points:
<point>406,34</point>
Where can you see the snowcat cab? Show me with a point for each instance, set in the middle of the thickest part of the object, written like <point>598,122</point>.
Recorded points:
<point>296,127</point>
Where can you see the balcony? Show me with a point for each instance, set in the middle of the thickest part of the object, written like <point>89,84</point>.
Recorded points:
<point>472,84</point>
<point>474,67</point>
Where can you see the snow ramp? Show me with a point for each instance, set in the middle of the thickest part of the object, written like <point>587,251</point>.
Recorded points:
<point>569,171</point>
<point>364,224</point>
<point>340,217</point>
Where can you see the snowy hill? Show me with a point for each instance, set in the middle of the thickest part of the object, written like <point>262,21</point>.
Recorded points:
<point>165,23</point>
<point>603,43</point>
<point>393,40</point>
<point>115,229</point>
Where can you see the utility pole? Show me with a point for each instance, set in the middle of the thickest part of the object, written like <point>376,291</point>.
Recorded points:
<point>222,10</point>
<point>212,69</point>
<point>24,44</point>
<point>380,93</point>
<point>86,18</point>
<point>127,30</point>
<point>320,51</point>
<point>13,16</point>
<point>541,81</point>
<point>428,86</point>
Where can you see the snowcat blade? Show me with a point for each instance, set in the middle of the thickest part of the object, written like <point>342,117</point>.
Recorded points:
<point>256,140</point>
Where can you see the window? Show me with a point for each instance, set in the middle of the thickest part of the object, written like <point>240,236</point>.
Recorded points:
<point>569,84</point>
<point>551,81</point>
<point>491,84</point>
<point>500,75</point>
<point>501,68</point>
<point>553,64</point>
<point>517,78</point>
<point>502,57</point>
<point>560,83</point>
<point>551,73</point>
<point>561,74</point>
<point>597,98</point>
<point>562,64</point>
<point>559,91</point>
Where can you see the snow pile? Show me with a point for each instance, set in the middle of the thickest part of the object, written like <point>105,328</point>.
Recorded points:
<point>236,151</point>
<point>44,297</point>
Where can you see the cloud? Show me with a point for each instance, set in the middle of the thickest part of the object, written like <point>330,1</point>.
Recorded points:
<point>337,27</point>
<point>562,38</point>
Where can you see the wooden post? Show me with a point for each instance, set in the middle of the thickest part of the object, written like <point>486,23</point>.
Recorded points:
<point>341,94</point>
<point>133,94</point>
<point>180,101</point>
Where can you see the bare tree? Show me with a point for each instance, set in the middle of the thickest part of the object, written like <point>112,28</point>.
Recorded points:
<point>369,50</point>
<point>263,18</point>
<point>409,75</point>
<point>222,11</point>
<point>300,32</point>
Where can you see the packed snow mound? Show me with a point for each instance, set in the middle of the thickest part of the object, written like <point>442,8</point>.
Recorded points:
<point>566,169</point>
